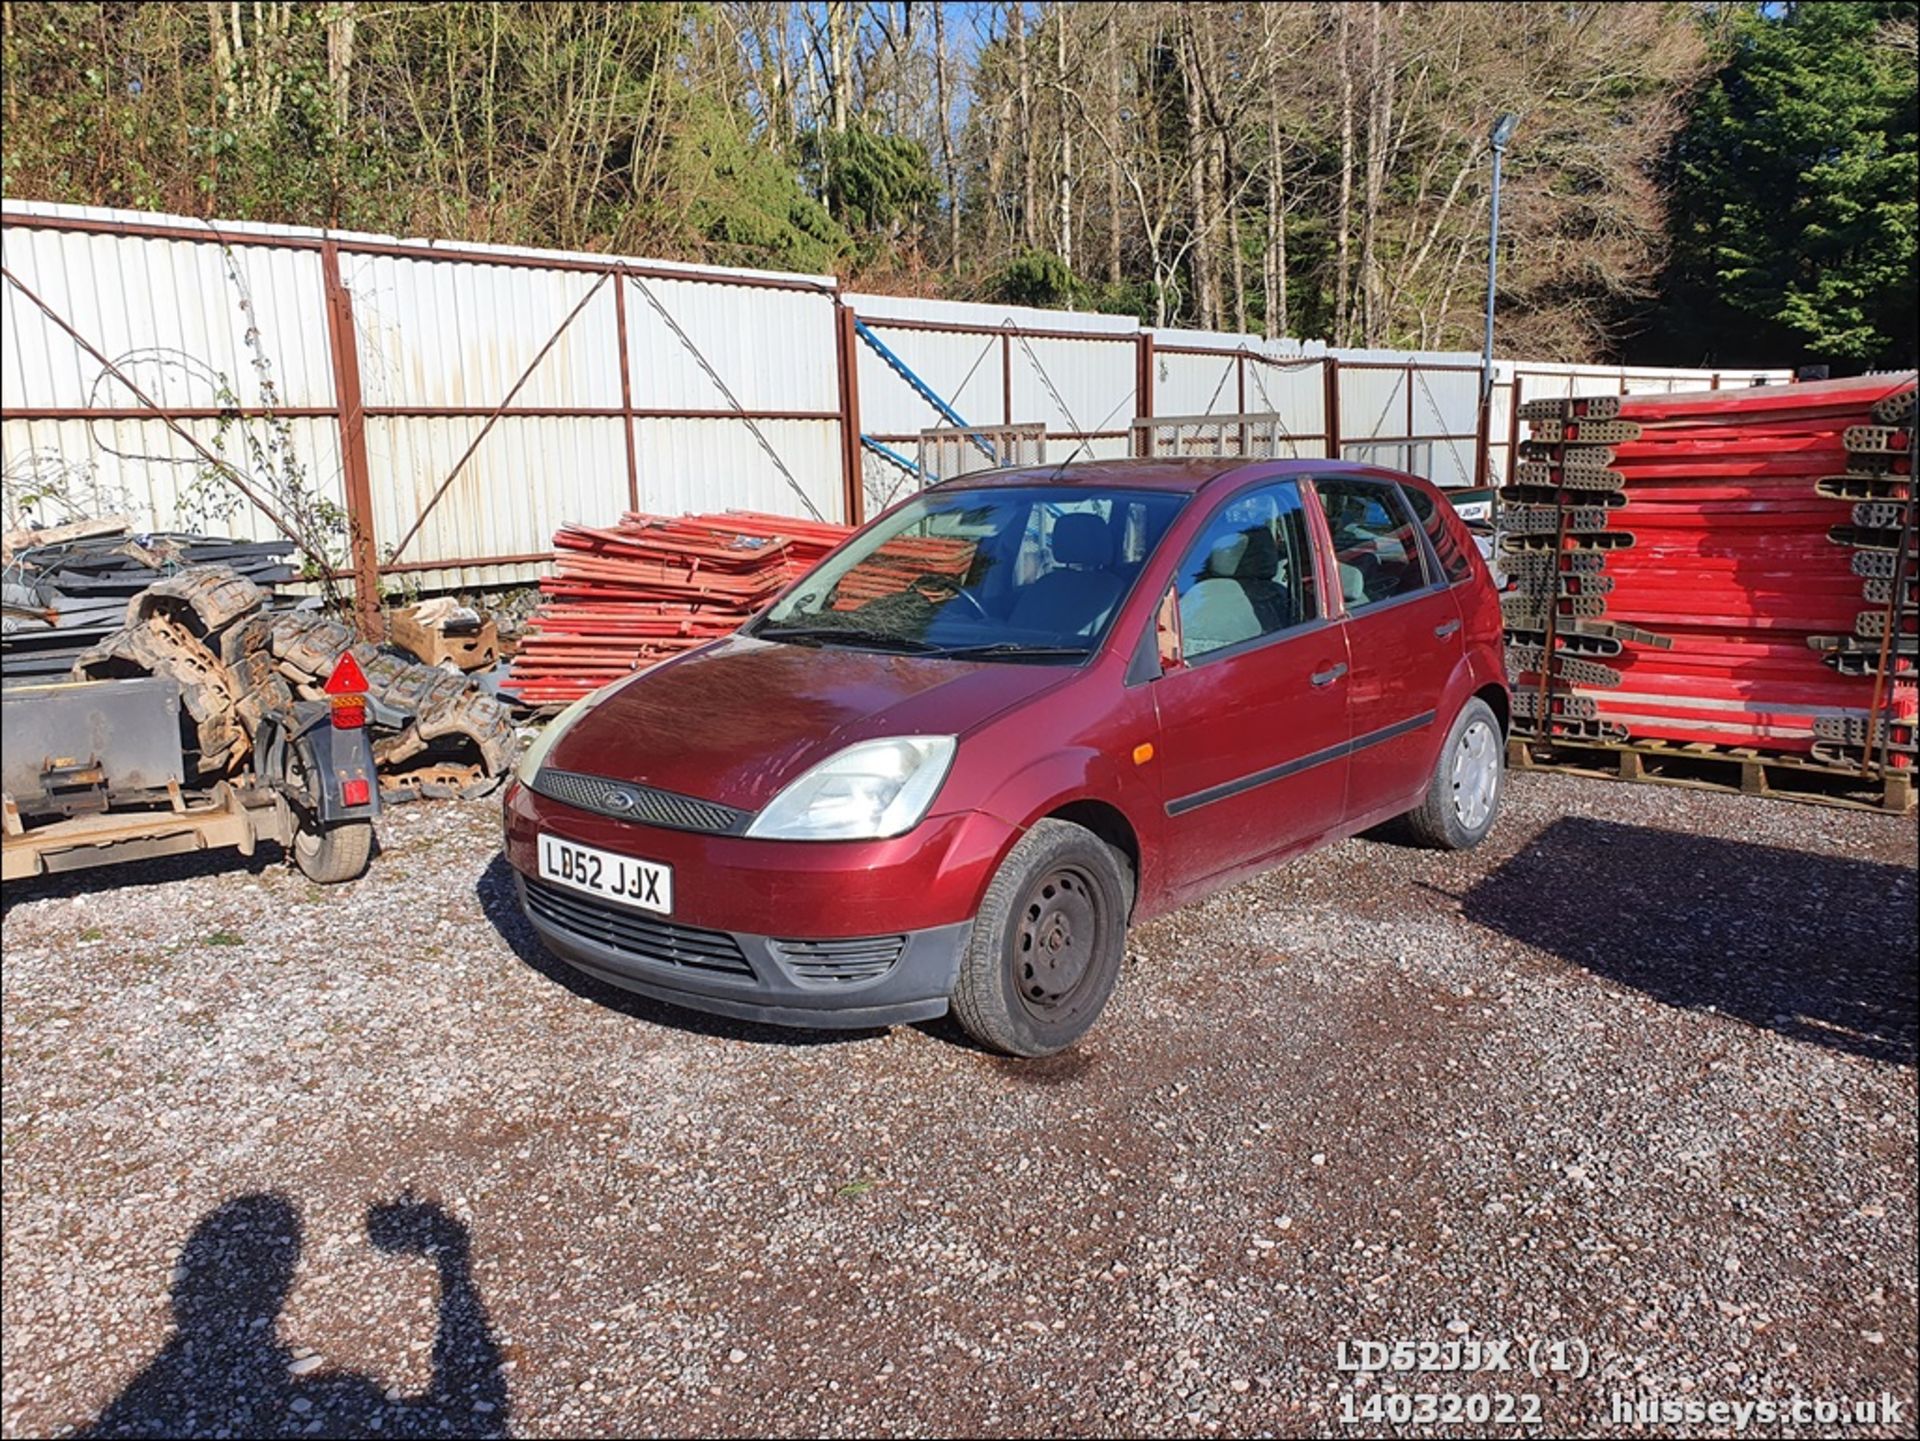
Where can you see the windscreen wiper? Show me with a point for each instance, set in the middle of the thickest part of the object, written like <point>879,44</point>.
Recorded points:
<point>1013,650</point>
<point>845,635</point>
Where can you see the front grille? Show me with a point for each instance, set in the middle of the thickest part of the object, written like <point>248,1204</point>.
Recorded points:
<point>628,802</point>
<point>634,933</point>
<point>830,963</point>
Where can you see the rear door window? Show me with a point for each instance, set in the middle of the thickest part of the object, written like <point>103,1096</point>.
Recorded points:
<point>1376,545</point>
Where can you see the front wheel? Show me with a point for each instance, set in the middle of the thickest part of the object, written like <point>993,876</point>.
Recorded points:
<point>338,853</point>
<point>1047,945</point>
<point>1463,799</point>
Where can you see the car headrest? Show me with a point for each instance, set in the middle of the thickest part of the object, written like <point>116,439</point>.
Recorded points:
<point>1261,559</point>
<point>1082,538</point>
<point>1223,561</point>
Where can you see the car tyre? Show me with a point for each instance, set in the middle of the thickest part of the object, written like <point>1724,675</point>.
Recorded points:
<point>1047,944</point>
<point>338,853</point>
<point>1469,781</point>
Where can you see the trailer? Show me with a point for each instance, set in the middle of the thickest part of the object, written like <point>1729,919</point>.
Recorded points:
<point>95,774</point>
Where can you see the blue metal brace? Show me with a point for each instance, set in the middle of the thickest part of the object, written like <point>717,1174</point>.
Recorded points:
<point>887,453</point>
<point>921,388</point>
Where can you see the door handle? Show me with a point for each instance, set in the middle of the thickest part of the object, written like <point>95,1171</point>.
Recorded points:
<point>1441,632</point>
<point>1328,676</point>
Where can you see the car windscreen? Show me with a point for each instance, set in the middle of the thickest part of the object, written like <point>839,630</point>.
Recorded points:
<point>1017,573</point>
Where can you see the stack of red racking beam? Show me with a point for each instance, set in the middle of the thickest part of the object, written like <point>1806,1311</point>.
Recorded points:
<point>630,595</point>
<point>626,596</point>
<point>1718,569</point>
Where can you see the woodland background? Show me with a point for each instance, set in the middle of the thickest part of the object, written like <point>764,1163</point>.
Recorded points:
<point>1690,184</point>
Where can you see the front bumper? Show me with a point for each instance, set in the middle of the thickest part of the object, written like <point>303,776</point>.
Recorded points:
<point>792,933</point>
<point>831,985</point>
<point>932,876</point>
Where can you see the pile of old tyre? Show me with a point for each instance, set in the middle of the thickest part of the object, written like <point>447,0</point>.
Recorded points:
<point>208,628</point>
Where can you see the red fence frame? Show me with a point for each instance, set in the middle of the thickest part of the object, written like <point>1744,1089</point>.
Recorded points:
<point>351,412</point>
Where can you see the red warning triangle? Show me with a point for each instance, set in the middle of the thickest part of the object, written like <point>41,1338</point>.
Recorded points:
<point>347,677</point>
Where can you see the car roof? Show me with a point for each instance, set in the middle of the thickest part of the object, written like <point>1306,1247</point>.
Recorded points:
<point>1183,475</point>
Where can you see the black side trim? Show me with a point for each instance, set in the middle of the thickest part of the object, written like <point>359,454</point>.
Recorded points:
<point>1393,732</point>
<point>1294,767</point>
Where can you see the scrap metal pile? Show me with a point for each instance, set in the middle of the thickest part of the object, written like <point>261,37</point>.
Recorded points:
<point>1725,569</point>
<point>209,628</point>
<point>67,594</point>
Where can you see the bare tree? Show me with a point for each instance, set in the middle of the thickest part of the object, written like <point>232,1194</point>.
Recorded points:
<point>840,53</point>
<point>1029,154</point>
<point>1274,258</point>
<point>1206,282</point>
<point>1113,73</point>
<point>1344,59</point>
<point>944,120</point>
<point>1066,138</point>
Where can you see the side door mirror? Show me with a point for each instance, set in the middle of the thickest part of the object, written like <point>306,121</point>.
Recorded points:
<point>1166,632</point>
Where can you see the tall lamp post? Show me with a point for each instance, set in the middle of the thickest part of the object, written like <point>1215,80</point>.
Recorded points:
<point>1503,129</point>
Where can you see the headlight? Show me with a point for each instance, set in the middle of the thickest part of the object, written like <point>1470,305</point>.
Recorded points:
<point>536,752</point>
<point>867,792</point>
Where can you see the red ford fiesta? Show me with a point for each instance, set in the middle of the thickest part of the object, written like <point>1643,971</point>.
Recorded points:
<point>1007,719</point>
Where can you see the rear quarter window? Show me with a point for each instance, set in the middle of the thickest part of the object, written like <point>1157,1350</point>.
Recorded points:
<point>1445,530</point>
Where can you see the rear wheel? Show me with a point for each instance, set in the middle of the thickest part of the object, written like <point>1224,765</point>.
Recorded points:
<point>1047,945</point>
<point>1464,798</point>
<point>338,853</point>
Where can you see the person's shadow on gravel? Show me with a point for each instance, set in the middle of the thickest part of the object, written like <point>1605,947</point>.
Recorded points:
<point>225,1370</point>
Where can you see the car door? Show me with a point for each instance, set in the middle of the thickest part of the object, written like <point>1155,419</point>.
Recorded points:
<point>1403,641</point>
<point>1251,709</point>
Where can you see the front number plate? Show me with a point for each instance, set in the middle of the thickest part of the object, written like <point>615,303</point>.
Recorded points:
<point>621,879</point>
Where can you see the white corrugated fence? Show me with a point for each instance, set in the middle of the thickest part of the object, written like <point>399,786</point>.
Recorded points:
<point>486,398</point>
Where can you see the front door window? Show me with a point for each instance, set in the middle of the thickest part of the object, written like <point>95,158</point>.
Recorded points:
<point>1250,574</point>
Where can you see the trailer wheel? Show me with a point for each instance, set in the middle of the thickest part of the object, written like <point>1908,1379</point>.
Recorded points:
<point>338,853</point>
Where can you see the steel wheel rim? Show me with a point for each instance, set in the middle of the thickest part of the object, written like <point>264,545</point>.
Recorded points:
<point>1055,944</point>
<point>1475,775</point>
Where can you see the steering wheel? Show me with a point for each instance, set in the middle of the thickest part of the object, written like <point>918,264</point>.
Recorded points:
<point>937,588</point>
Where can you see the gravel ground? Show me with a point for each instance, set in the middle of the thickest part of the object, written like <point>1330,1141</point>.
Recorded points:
<point>1638,1076</point>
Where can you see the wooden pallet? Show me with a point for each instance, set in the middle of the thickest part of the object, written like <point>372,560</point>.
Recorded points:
<point>1732,771</point>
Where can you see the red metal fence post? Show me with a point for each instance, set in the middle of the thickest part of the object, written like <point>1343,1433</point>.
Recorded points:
<point>1240,393</point>
<point>1143,375</point>
<point>1483,433</point>
<point>1412,428</point>
<point>1332,403</point>
<point>362,542</point>
<point>1006,378</point>
<point>1513,427</point>
<point>626,387</point>
<point>852,457</point>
